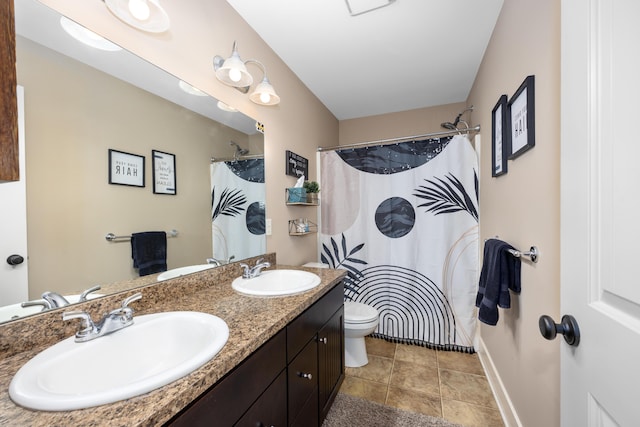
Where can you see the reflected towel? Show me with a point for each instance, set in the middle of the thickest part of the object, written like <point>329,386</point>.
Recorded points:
<point>149,252</point>
<point>500,273</point>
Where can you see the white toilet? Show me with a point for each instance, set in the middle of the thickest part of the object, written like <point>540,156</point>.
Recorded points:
<point>359,321</point>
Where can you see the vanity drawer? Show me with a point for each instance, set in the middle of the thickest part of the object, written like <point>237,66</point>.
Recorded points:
<point>303,381</point>
<point>271,408</point>
<point>226,401</point>
<point>304,327</point>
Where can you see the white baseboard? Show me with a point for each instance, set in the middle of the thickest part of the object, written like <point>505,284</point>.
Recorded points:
<point>508,412</point>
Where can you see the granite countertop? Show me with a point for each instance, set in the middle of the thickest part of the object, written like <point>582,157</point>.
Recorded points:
<point>251,320</point>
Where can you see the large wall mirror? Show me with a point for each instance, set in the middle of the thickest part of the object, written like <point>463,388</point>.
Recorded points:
<point>79,103</point>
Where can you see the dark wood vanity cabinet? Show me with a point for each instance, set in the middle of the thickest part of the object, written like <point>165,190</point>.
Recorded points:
<point>291,380</point>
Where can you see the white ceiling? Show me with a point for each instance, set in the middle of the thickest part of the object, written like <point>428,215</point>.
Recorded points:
<point>407,55</point>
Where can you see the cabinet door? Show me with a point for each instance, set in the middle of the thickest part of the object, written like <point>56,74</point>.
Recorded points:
<point>303,381</point>
<point>270,410</point>
<point>330,361</point>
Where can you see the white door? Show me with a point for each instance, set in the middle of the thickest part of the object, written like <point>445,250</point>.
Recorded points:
<point>600,211</point>
<point>13,226</point>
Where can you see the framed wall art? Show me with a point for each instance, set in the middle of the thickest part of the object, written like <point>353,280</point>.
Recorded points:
<point>499,138</point>
<point>126,168</point>
<point>164,173</point>
<point>522,118</point>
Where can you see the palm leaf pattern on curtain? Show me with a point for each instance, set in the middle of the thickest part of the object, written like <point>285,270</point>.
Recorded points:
<point>335,260</point>
<point>230,204</point>
<point>448,195</point>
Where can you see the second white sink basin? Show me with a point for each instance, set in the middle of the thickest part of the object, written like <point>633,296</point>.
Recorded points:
<point>156,350</point>
<point>277,283</point>
<point>181,271</point>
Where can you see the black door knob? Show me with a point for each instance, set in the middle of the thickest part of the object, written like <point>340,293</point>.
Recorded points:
<point>568,327</point>
<point>15,259</point>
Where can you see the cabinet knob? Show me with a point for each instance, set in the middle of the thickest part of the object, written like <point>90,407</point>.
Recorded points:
<point>303,375</point>
<point>323,340</point>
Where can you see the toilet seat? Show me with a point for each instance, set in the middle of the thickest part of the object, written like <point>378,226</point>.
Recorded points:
<point>355,313</point>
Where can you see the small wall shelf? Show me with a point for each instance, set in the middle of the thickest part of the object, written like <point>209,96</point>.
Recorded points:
<point>288,203</point>
<point>293,229</point>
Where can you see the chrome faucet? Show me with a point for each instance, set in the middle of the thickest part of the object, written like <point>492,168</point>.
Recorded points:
<point>218,262</point>
<point>54,300</point>
<point>251,272</point>
<point>114,320</point>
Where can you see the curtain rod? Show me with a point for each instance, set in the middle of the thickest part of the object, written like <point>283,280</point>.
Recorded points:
<point>230,159</point>
<point>406,138</point>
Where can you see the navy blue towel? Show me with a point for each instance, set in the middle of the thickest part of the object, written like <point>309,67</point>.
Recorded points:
<point>500,273</point>
<point>149,252</point>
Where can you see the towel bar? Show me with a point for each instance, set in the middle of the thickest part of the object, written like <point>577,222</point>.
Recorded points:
<point>532,254</point>
<point>112,237</point>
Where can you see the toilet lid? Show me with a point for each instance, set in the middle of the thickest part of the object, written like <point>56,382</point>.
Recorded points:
<point>356,312</point>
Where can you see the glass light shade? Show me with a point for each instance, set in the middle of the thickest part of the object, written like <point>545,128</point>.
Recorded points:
<point>86,36</point>
<point>186,87</point>
<point>157,21</point>
<point>139,9</point>
<point>233,72</point>
<point>226,107</point>
<point>265,94</point>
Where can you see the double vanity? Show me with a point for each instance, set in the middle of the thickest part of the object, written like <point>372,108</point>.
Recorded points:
<point>282,363</point>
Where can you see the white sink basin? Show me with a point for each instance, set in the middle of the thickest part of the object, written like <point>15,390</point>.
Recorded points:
<point>177,272</point>
<point>15,311</point>
<point>277,283</point>
<point>156,350</point>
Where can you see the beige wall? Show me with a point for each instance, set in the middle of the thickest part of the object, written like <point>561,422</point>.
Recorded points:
<point>523,206</point>
<point>406,123</point>
<point>74,115</point>
<point>201,29</point>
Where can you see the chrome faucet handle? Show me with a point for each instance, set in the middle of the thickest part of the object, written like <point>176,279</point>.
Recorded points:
<point>45,305</point>
<point>87,327</point>
<point>83,296</point>
<point>230,258</point>
<point>246,270</point>
<point>255,271</point>
<point>259,260</point>
<point>132,298</point>
<point>124,311</point>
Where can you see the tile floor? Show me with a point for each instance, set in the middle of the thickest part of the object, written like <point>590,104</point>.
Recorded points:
<point>443,384</point>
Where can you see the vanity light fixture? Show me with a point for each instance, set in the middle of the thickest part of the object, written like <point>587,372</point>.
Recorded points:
<point>86,36</point>
<point>145,15</point>
<point>226,107</point>
<point>186,87</point>
<point>233,72</point>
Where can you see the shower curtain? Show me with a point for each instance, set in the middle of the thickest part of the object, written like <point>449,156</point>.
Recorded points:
<point>237,209</point>
<point>402,219</point>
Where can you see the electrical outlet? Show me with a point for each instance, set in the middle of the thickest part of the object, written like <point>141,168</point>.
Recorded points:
<point>268,226</point>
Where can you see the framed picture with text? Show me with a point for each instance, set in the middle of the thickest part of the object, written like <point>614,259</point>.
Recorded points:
<point>522,118</point>
<point>499,138</point>
<point>164,173</point>
<point>126,168</point>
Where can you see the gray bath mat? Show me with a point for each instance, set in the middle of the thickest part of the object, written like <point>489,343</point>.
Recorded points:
<point>350,411</point>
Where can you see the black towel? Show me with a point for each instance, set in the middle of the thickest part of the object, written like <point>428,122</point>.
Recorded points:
<point>149,252</point>
<point>500,273</point>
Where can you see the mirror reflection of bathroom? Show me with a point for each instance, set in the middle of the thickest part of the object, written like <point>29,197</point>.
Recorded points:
<point>88,102</point>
